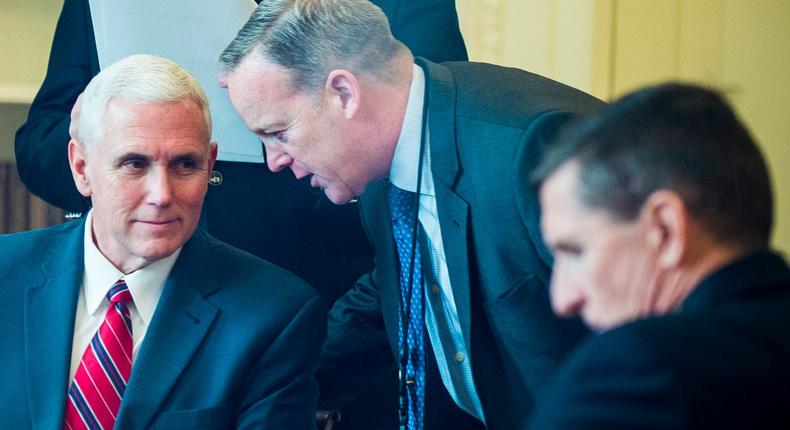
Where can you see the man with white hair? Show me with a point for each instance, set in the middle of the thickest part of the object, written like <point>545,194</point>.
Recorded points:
<point>131,318</point>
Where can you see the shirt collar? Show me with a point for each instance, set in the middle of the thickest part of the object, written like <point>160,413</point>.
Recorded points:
<point>405,160</point>
<point>144,284</point>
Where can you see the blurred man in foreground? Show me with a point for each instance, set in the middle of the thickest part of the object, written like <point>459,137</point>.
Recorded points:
<point>659,213</point>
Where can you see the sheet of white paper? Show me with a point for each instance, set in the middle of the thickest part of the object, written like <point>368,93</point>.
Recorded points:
<point>192,33</point>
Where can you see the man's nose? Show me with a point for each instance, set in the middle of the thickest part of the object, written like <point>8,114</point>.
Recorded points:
<point>566,298</point>
<point>277,159</point>
<point>160,187</point>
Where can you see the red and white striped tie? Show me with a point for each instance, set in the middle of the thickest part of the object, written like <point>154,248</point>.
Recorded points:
<point>95,394</point>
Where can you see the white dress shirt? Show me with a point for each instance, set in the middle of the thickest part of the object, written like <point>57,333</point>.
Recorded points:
<point>144,284</point>
<point>441,313</point>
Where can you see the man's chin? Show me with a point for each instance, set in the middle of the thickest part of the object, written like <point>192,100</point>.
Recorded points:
<point>602,325</point>
<point>338,198</point>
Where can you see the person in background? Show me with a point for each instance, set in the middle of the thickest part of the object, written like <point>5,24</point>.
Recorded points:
<point>659,212</point>
<point>131,318</point>
<point>458,300</point>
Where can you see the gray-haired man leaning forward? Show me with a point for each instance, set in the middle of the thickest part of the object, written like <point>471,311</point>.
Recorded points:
<point>133,319</point>
<point>458,299</point>
<point>659,213</point>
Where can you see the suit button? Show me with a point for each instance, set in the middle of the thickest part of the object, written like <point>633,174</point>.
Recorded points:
<point>460,356</point>
<point>435,289</point>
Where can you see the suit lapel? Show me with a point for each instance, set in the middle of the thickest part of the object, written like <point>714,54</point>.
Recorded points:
<point>50,306</point>
<point>375,201</point>
<point>440,99</point>
<point>445,165</point>
<point>453,218</point>
<point>182,319</point>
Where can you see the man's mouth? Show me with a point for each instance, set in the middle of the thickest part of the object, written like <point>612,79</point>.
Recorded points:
<point>157,222</point>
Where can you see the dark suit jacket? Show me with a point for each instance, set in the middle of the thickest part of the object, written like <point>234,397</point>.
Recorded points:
<point>233,342</point>
<point>721,362</point>
<point>271,215</point>
<point>487,127</point>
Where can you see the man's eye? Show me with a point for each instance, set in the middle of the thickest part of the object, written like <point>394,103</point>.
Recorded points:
<point>186,165</point>
<point>280,136</point>
<point>134,164</point>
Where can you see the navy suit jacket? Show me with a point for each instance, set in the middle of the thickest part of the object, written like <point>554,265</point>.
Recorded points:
<point>233,341</point>
<point>488,125</point>
<point>271,215</point>
<point>721,362</point>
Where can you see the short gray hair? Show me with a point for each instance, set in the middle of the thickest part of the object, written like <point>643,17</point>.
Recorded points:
<point>138,78</point>
<point>313,37</point>
<point>678,137</point>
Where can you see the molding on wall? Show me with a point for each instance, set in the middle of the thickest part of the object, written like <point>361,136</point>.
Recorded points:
<point>22,94</point>
<point>491,26</point>
<point>482,25</point>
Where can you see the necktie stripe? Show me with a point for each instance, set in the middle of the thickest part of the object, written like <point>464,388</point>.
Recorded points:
<point>83,409</point>
<point>92,399</point>
<point>119,287</point>
<point>118,332</point>
<point>106,366</point>
<point>95,394</point>
<point>109,397</point>
<point>127,320</point>
<point>98,373</point>
<point>73,418</point>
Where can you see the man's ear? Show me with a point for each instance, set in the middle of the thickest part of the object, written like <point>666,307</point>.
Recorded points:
<point>343,92</point>
<point>78,161</point>
<point>212,156</point>
<point>667,220</point>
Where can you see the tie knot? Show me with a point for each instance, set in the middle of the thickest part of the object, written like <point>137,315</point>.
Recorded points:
<point>401,202</point>
<point>119,293</point>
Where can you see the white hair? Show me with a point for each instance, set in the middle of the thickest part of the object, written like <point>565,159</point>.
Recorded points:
<point>138,78</point>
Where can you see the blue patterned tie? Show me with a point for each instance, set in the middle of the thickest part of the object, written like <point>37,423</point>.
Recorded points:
<point>403,211</point>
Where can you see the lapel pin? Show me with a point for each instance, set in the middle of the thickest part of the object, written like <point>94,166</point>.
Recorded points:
<point>216,178</point>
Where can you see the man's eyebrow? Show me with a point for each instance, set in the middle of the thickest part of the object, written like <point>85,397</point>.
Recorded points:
<point>271,126</point>
<point>195,155</point>
<point>136,155</point>
<point>129,155</point>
